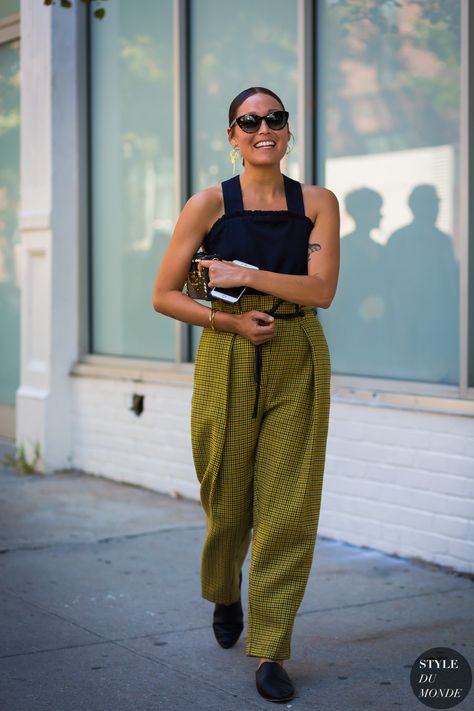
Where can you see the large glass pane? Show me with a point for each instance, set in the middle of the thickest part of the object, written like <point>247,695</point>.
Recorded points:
<point>388,145</point>
<point>470,331</point>
<point>235,46</point>
<point>132,176</point>
<point>9,233</point>
<point>9,7</point>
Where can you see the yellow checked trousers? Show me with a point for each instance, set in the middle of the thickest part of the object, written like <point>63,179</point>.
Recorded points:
<point>265,473</point>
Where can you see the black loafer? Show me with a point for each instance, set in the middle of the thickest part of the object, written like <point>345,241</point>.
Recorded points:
<point>273,683</point>
<point>228,622</point>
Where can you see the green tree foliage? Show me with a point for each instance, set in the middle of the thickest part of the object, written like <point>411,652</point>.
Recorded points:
<point>99,12</point>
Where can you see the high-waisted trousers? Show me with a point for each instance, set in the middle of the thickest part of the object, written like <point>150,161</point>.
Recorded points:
<point>261,477</point>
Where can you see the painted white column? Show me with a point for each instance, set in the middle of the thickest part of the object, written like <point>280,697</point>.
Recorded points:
<point>51,222</point>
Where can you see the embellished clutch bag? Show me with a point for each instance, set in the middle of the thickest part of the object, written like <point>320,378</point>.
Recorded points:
<point>196,285</point>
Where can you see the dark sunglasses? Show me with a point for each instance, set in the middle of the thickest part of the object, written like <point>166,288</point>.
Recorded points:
<point>250,123</point>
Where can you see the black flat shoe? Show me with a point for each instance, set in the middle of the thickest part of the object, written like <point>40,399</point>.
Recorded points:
<point>228,622</point>
<point>273,683</point>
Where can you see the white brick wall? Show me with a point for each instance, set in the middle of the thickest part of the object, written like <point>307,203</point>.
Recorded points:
<point>152,450</point>
<point>396,480</point>
<point>401,481</point>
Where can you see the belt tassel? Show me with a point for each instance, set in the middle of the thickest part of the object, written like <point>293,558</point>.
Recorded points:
<point>258,349</point>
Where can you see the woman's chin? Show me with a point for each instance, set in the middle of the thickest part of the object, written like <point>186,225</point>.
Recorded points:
<point>264,160</point>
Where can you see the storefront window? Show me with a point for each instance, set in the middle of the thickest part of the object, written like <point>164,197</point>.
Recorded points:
<point>9,232</point>
<point>9,7</point>
<point>133,209</point>
<point>235,46</point>
<point>388,82</point>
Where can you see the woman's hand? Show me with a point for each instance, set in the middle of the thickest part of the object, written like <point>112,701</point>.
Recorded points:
<point>256,326</point>
<point>223,273</point>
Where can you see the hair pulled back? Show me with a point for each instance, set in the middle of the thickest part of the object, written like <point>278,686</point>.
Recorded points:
<point>240,98</point>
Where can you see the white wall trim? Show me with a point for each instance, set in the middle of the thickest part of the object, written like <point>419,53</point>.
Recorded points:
<point>149,371</point>
<point>51,57</point>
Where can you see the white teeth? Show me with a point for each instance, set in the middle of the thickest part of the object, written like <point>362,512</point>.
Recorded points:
<point>264,143</point>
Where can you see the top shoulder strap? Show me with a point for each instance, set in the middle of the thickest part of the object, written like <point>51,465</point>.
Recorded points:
<point>294,195</point>
<point>232,195</point>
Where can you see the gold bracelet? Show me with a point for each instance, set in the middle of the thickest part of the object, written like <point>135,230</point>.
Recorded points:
<point>212,315</point>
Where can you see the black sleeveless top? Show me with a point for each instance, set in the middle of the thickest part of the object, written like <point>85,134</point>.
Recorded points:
<point>273,240</point>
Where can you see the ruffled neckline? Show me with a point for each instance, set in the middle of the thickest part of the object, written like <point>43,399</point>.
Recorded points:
<point>249,213</point>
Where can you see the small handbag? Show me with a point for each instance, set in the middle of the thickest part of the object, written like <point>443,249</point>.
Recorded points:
<point>197,282</point>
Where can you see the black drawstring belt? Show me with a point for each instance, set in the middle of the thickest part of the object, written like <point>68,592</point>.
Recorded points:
<point>258,349</point>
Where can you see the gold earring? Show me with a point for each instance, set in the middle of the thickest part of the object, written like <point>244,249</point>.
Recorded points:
<point>290,148</point>
<point>233,157</point>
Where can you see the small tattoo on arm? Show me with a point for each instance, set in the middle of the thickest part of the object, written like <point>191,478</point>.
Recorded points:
<point>313,247</point>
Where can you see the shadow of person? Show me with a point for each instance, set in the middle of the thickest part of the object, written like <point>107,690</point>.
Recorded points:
<point>356,324</point>
<point>424,301</point>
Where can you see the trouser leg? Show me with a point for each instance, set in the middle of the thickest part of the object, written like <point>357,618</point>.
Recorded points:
<point>288,482</point>
<point>224,435</point>
<point>229,526</point>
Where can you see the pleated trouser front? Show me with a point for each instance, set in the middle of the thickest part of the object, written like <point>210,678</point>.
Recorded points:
<point>263,474</point>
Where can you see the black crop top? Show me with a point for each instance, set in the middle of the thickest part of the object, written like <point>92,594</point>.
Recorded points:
<point>273,240</point>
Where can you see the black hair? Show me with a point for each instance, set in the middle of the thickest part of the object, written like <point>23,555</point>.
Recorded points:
<point>240,98</point>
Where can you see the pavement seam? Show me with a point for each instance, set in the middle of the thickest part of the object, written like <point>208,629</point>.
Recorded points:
<point>192,676</point>
<point>104,640</point>
<point>378,602</point>
<point>107,539</point>
<point>143,655</point>
<point>300,613</point>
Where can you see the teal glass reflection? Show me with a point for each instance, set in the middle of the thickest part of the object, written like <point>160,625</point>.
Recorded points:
<point>9,229</point>
<point>9,7</point>
<point>133,208</point>
<point>388,146</point>
<point>235,46</point>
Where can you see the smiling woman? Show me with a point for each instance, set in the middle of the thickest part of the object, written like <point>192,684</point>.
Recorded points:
<point>270,399</point>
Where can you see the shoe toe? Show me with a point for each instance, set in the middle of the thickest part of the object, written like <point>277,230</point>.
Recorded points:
<point>273,682</point>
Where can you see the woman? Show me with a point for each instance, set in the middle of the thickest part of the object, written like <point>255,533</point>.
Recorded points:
<point>260,406</point>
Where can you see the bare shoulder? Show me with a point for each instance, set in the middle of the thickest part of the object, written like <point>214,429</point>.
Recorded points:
<point>206,205</point>
<point>318,199</point>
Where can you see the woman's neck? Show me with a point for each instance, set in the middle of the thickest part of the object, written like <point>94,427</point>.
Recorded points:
<point>265,184</point>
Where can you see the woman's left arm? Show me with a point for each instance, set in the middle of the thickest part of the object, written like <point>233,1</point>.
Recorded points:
<point>318,287</point>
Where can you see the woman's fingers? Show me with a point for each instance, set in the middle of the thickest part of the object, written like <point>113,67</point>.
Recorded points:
<point>222,273</point>
<point>261,326</point>
<point>262,318</point>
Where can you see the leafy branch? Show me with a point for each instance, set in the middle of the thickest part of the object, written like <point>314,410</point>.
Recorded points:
<point>99,12</point>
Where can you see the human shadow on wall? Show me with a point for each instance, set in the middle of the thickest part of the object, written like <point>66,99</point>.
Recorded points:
<point>356,326</point>
<point>396,309</point>
<point>424,306</point>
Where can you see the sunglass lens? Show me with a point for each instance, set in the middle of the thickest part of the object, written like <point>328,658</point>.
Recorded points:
<point>249,123</point>
<point>276,120</point>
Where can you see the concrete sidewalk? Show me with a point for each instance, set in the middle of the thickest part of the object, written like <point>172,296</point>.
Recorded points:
<point>101,610</point>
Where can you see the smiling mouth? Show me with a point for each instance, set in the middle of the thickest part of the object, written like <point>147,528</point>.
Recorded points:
<point>265,144</point>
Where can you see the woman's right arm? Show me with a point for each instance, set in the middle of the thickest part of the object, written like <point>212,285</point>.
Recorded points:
<point>168,297</point>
